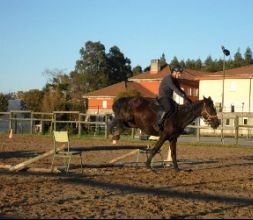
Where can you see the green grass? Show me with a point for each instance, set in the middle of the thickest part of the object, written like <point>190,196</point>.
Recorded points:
<point>129,139</point>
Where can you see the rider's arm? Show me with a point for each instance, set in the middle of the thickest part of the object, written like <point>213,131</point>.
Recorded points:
<point>175,87</point>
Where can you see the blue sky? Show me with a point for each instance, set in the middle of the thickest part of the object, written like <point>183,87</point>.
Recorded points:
<point>36,35</point>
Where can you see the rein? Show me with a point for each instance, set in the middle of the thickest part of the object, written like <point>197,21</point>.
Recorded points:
<point>204,113</point>
<point>209,116</point>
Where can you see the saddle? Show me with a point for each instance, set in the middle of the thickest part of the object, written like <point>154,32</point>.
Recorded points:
<point>159,109</point>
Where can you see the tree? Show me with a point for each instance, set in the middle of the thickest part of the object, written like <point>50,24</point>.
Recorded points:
<point>136,70</point>
<point>190,64</point>
<point>3,103</point>
<point>119,66</point>
<point>53,100</point>
<point>198,64</point>
<point>219,64</point>
<point>182,63</point>
<point>248,60</point>
<point>92,68</point>
<point>238,60</point>
<point>163,61</point>
<point>33,100</point>
<point>174,61</point>
<point>146,69</point>
<point>209,65</point>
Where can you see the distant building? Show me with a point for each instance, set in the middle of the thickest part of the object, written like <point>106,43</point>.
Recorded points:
<point>19,126</point>
<point>147,83</point>
<point>14,104</point>
<point>238,98</point>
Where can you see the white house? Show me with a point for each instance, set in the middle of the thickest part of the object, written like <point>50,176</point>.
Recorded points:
<point>237,93</point>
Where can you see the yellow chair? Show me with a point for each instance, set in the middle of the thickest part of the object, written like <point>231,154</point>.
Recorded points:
<point>66,153</point>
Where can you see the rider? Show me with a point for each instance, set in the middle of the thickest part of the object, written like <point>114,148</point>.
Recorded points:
<point>169,84</point>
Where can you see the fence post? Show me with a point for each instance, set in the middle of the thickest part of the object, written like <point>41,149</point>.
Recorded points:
<point>31,123</point>
<point>106,127</point>
<point>133,133</point>
<point>10,121</point>
<point>236,129</point>
<point>79,125</point>
<point>54,119</point>
<point>198,130</point>
<point>42,127</point>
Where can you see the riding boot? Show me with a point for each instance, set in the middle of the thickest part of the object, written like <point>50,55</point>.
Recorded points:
<point>161,120</point>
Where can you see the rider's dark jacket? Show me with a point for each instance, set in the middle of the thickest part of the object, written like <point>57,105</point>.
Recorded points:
<point>167,86</point>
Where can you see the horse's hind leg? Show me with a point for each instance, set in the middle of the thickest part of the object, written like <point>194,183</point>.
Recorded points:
<point>154,151</point>
<point>173,148</point>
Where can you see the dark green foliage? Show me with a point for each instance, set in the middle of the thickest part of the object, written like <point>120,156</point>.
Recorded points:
<point>248,60</point>
<point>96,69</point>
<point>92,69</point>
<point>136,70</point>
<point>211,65</point>
<point>3,103</point>
<point>238,60</point>
<point>174,61</point>
<point>119,68</point>
<point>127,93</point>
<point>163,61</point>
<point>33,100</point>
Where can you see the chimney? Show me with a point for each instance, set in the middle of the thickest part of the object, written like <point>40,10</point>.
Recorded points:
<point>155,66</point>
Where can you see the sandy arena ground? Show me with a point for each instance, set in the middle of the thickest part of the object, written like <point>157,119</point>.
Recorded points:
<point>215,182</point>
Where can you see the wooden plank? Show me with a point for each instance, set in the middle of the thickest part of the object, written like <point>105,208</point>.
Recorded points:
<point>5,166</point>
<point>109,147</point>
<point>23,165</point>
<point>123,156</point>
<point>43,170</point>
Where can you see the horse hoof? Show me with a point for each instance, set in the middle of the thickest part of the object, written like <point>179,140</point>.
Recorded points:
<point>114,142</point>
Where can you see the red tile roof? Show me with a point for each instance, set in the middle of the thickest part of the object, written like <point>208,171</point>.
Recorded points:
<point>113,90</point>
<point>188,74</point>
<point>244,72</point>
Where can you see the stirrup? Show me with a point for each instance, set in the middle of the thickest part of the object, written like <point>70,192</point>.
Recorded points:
<point>161,127</point>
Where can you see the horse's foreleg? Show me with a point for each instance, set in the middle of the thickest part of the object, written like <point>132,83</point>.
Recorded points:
<point>173,148</point>
<point>119,129</point>
<point>154,151</point>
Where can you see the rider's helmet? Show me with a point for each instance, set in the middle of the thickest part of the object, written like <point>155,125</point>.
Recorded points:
<point>177,68</point>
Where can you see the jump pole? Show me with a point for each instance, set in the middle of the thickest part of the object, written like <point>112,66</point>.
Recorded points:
<point>24,164</point>
<point>123,156</point>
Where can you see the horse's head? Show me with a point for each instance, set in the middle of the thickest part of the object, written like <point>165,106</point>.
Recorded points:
<point>209,113</point>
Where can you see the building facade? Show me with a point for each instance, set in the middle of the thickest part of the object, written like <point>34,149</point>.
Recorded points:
<point>147,84</point>
<point>237,95</point>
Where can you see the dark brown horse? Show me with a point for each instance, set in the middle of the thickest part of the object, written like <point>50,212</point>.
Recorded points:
<point>142,113</point>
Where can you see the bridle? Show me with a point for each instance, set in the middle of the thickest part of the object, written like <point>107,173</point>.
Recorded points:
<point>208,117</point>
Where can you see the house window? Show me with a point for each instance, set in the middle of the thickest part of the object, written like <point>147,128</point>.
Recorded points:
<point>195,92</point>
<point>245,121</point>
<point>232,108</point>
<point>227,121</point>
<point>189,91</point>
<point>233,86</point>
<point>104,104</point>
